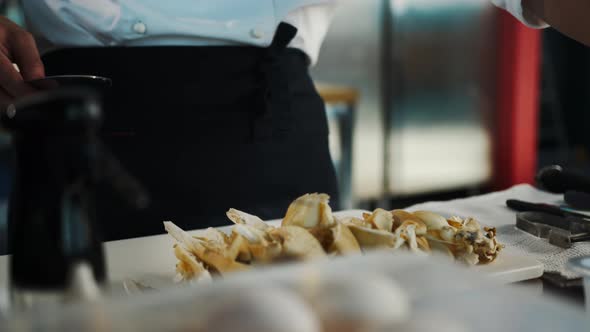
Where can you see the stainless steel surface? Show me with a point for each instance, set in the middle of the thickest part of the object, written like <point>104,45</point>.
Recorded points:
<point>350,57</point>
<point>443,86</point>
<point>425,71</point>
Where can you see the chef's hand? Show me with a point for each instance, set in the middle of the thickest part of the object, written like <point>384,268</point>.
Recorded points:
<point>569,17</point>
<point>17,46</point>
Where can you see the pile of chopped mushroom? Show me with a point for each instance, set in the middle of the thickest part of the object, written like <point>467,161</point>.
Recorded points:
<point>309,230</point>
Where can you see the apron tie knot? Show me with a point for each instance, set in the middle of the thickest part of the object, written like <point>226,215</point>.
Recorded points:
<point>262,118</point>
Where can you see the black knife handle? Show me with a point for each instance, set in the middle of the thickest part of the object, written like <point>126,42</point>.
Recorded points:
<point>523,206</point>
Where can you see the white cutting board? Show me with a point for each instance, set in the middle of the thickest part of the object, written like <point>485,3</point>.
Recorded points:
<point>152,256</point>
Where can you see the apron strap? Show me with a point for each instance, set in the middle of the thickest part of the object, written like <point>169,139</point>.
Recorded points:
<point>262,119</point>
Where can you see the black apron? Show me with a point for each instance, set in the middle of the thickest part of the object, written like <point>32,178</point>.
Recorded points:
<point>206,129</point>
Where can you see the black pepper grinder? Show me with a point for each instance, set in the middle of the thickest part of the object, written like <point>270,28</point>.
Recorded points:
<point>53,237</point>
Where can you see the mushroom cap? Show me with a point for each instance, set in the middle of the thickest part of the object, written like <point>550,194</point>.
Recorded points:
<point>369,238</point>
<point>381,219</point>
<point>432,220</point>
<point>297,242</point>
<point>309,211</point>
<point>240,217</point>
<point>344,241</point>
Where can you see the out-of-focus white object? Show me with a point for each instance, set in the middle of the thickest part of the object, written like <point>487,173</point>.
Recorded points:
<point>83,286</point>
<point>357,303</point>
<point>259,309</point>
<point>440,294</point>
<point>490,210</point>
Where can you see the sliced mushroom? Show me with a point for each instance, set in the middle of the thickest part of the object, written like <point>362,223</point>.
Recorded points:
<point>455,222</point>
<point>252,234</point>
<point>407,233</point>
<point>399,216</point>
<point>432,220</point>
<point>297,242</point>
<point>423,243</point>
<point>344,242</point>
<point>188,267</point>
<point>324,236</point>
<point>265,253</point>
<point>261,247</point>
<point>354,221</point>
<point>238,248</point>
<point>371,238</point>
<point>441,248</point>
<point>240,217</point>
<point>182,237</point>
<point>213,239</point>
<point>381,219</point>
<point>309,211</point>
<point>211,258</point>
<point>219,262</point>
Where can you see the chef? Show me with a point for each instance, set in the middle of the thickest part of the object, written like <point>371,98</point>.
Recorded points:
<point>212,105</point>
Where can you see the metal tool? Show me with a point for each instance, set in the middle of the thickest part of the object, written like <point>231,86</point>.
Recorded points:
<point>523,206</point>
<point>565,239</point>
<point>89,81</point>
<point>559,231</point>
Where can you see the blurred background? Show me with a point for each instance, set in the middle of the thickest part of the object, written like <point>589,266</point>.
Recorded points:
<point>432,99</point>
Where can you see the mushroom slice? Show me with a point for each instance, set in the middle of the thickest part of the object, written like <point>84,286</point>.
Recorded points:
<point>265,253</point>
<point>297,242</point>
<point>238,248</point>
<point>423,243</point>
<point>407,233</point>
<point>324,236</point>
<point>252,234</point>
<point>381,219</point>
<point>399,216</point>
<point>243,218</point>
<point>432,220</point>
<point>354,221</point>
<point>219,262</point>
<point>213,239</point>
<point>442,249</point>
<point>369,238</point>
<point>211,258</point>
<point>188,267</point>
<point>309,211</point>
<point>344,241</point>
<point>182,237</point>
<point>260,246</point>
<point>455,222</point>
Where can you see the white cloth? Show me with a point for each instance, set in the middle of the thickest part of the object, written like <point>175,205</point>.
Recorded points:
<point>58,23</point>
<point>491,210</point>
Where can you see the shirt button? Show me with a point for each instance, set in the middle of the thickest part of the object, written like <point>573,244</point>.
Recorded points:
<point>257,33</point>
<point>140,28</point>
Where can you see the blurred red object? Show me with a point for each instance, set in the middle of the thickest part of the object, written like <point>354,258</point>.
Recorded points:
<point>517,103</point>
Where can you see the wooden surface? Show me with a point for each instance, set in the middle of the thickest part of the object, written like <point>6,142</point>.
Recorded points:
<point>334,94</point>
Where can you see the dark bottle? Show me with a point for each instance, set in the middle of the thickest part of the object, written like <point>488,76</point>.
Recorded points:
<point>51,217</point>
